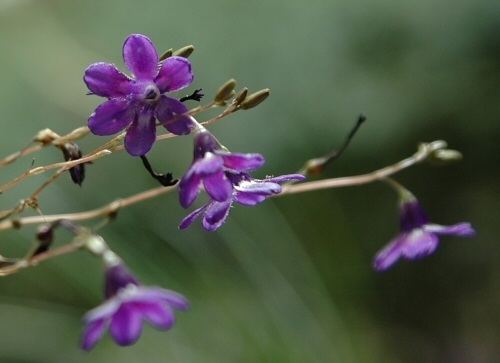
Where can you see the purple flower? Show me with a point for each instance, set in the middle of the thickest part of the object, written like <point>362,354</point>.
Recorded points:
<point>209,168</point>
<point>246,191</point>
<point>127,305</point>
<point>224,176</point>
<point>418,238</point>
<point>136,102</point>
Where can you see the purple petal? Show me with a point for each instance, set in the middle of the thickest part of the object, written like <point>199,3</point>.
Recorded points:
<point>92,334</point>
<point>175,74</point>
<point>189,188</point>
<point>171,112</point>
<point>172,298</point>
<point>117,278</point>
<point>386,257</point>
<point>103,311</point>
<point>460,229</point>
<point>157,314</point>
<point>104,79</point>
<point>141,135</point>
<point>412,216</point>
<point>140,56</point>
<point>249,199</point>
<point>286,178</point>
<point>111,117</point>
<point>216,215</point>
<point>218,186</point>
<point>126,325</point>
<point>418,244</point>
<point>259,187</point>
<point>191,217</point>
<point>242,162</point>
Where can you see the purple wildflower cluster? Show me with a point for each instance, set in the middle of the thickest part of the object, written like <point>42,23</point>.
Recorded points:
<point>226,179</point>
<point>135,104</point>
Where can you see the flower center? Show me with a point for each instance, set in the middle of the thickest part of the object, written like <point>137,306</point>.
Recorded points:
<point>151,93</point>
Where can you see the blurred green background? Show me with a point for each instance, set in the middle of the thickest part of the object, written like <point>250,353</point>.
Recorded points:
<point>290,280</point>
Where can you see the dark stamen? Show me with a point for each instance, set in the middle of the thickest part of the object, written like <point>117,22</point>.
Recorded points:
<point>164,179</point>
<point>197,95</point>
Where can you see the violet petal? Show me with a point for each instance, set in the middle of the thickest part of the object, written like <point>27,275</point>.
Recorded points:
<point>93,333</point>
<point>388,255</point>
<point>140,56</point>
<point>218,186</point>
<point>259,187</point>
<point>460,229</point>
<point>175,74</point>
<point>216,215</point>
<point>157,314</point>
<point>126,325</point>
<point>249,199</point>
<point>191,217</point>
<point>242,162</point>
<point>171,114</point>
<point>418,243</point>
<point>104,79</point>
<point>286,178</point>
<point>111,117</point>
<point>141,135</point>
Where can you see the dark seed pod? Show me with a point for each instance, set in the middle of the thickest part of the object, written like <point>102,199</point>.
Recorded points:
<point>166,54</point>
<point>72,152</point>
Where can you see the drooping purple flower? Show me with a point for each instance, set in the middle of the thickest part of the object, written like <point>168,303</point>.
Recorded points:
<point>209,169</point>
<point>134,103</point>
<point>128,304</point>
<point>418,237</point>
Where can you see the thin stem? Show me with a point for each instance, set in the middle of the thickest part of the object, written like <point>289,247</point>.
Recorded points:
<point>105,211</point>
<point>423,152</point>
<point>110,209</point>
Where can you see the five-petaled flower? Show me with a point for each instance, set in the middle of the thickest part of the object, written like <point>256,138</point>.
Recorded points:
<point>224,176</point>
<point>136,102</point>
<point>127,305</point>
<point>418,237</point>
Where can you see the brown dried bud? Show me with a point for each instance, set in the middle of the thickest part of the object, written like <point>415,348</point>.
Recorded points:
<point>255,99</point>
<point>166,54</point>
<point>71,152</point>
<point>184,51</point>
<point>46,136</point>
<point>315,166</point>
<point>241,96</point>
<point>225,91</point>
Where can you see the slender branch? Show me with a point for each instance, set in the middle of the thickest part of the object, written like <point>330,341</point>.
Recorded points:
<point>424,151</point>
<point>110,209</point>
<point>104,211</point>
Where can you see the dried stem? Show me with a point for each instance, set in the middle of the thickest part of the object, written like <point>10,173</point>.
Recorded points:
<point>110,209</point>
<point>424,151</point>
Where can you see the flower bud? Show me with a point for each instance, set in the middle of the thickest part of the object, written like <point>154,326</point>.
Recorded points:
<point>225,92</point>
<point>445,156</point>
<point>166,54</point>
<point>241,96</point>
<point>255,99</point>
<point>46,136</point>
<point>184,52</point>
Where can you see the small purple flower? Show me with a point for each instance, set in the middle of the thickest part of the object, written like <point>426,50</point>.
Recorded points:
<point>418,238</point>
<point>136,102</point>
<point>224,175</point>
<point>246,191</point>
<point>127,305</point>
<point>209,167</point>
